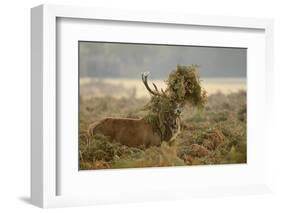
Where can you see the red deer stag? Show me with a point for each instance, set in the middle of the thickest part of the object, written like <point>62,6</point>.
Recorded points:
<point>136,132</point>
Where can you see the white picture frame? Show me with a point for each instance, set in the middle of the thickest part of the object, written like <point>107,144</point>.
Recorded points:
<point>45,166</point>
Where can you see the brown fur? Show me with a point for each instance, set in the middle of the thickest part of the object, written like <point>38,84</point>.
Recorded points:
<point>127,131</point>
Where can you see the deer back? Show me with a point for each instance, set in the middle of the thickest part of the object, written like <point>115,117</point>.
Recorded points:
<point>127,131</point>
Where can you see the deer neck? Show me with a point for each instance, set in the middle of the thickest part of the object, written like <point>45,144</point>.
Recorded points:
<point>163,117</point>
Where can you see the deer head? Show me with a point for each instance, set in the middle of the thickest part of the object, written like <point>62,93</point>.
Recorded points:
<point>164,109</point>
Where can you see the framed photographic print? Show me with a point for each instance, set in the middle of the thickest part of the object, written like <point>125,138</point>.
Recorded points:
<point>130,106</point>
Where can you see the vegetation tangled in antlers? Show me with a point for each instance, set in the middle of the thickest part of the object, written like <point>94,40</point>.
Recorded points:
<point>183,86</point>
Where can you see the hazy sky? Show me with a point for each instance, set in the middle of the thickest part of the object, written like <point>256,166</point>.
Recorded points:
<point>115,60</point>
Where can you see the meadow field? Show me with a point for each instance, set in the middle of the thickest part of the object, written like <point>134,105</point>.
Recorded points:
<point>90,87</point>
<point>213,135</point>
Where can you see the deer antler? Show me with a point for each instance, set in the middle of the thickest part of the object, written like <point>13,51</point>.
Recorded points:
<point>144,76</point>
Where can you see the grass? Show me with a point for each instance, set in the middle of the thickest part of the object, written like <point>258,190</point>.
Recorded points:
<point>213,135</point>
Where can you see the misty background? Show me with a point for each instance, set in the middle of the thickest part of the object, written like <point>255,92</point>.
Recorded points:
<point>120,60</point>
